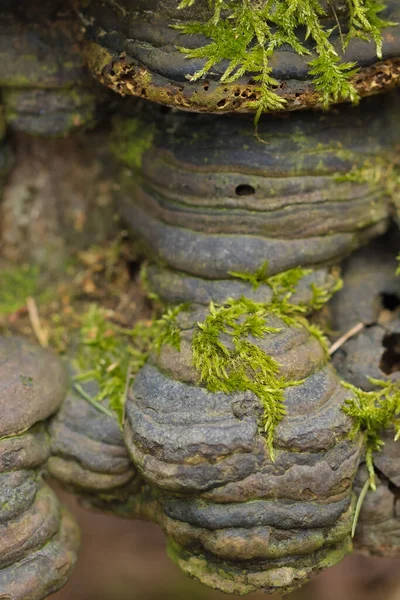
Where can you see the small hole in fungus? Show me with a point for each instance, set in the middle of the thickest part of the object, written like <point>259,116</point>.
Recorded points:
<point>245,190</point>
<point>221,103</point>
<point>206,85</point>
<point>390,301</point>
<point>390,361</point>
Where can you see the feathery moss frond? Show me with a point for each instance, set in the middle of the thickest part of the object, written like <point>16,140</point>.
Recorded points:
<point>111,356</point>
<point>284,284</point>
<point>229,361</point>
<point>372,413</point>
<point>167,328</point>
<point>256,279</point>
<point>322,296</point>
<point>246,33</point>
<point>287,281</point>
<point>226,356</point>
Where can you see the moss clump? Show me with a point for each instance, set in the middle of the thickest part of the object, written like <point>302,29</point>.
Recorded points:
<point>111,355</point>
<point>284,284</point>
<point>16,285</point>
<point>130,139</point>
<point>373,412</point>
<point>286,281</point>
<point>246,33</point>
<point>228,360</point>
<point>241,366</point>
<point>167,329</point>
<point>321,296</point>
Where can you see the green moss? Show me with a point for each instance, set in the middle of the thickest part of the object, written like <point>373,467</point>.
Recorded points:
<point>246,34</point>
<point>239,365</point>
<point>112,356</point>
<point>226,356</point>
<point>168,330</point>
<point>317,332</point>
<point>281,283</point>
<point>16,285</point>
<point>26,381</point>
<point>130,140</point>
<point>372,413</point>
<point>256,279</point>
<point>321,295</point>
<point>284,284</point>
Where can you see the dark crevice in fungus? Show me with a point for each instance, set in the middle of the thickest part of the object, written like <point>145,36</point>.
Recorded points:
<point>389,301</point>
<point>390,361</point>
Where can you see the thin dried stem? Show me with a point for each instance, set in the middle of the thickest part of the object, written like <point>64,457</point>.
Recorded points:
<point>33,313</point>
<point>343,339</point>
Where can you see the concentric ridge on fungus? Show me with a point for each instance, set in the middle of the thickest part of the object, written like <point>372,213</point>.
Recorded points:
<point>88,455</point>
<point>38,539</point>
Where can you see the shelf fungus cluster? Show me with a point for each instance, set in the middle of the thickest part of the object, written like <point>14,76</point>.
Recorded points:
<point>38,538</point>
<point>243,514</point>
<point>263,454</point>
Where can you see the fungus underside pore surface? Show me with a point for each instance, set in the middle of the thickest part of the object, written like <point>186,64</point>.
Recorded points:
<point>246,33</point>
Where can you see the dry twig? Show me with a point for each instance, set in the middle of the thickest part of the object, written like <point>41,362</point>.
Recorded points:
<point>343,339</point>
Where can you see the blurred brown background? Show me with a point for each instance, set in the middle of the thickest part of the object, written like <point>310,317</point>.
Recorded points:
<point>126,560</point>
